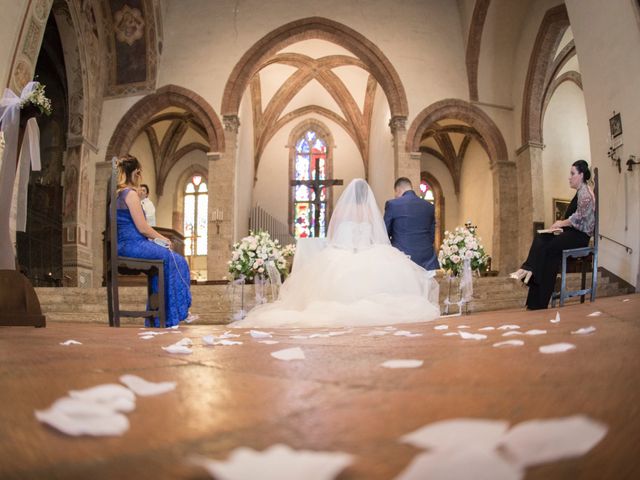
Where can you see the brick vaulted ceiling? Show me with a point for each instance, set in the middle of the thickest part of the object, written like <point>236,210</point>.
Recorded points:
<point>312,77</point>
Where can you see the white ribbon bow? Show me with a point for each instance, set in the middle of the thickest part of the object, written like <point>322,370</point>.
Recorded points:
<point>10,124</point>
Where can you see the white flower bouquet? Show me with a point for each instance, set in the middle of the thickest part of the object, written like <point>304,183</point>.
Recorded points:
<point>38,99</point>
<point>251,255</point>
<point>289,250</point>
<point>460,245</point>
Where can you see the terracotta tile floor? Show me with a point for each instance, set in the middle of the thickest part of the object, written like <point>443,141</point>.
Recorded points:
<point>339,398</point>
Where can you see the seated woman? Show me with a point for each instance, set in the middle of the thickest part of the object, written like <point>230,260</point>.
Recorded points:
<point>541,267</point>
<point>358,279</point>
<point>135,239</point>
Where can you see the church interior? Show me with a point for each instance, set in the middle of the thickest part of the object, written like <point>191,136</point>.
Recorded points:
<point>234,109</point>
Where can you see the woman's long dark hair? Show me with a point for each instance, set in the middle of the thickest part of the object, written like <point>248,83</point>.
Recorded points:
<point>127,165</point>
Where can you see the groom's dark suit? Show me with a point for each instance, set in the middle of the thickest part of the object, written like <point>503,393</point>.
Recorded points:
<point>411,226</point>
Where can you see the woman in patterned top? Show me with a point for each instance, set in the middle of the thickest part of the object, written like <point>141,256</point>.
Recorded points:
<point>541,266</point>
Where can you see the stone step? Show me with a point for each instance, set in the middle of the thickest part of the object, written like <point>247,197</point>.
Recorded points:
<point>213,302</point>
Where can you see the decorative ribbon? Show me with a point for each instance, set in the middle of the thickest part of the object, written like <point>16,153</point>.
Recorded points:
<point>10,125</point>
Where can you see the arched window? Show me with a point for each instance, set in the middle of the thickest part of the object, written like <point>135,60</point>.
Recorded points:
<point>310,195</point>
<point>427,192</point>
<point>195,216</point>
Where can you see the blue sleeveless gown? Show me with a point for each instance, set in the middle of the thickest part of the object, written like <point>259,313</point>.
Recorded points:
<point>131,243</point>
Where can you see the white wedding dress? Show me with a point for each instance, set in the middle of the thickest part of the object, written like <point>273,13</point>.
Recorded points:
<point>359,279</point>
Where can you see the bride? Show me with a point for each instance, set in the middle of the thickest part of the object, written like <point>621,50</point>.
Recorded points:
<point>358,279</point>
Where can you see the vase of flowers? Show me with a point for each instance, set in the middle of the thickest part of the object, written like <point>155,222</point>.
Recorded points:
<point>252,253</point>
<point>460,255</point>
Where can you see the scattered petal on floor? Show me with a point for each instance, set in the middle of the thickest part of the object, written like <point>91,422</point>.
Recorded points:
<point>472,336</point>
<point>175,327</point>
<point>556,319</point>
<point>450,334</point>
<point>457,434</point>
<point>152,333</point>
<point>390,328</point>
<point>268,342</point>
<point>486,329</point>
<point>584,331</point>
<point>259,334</point>
<point>278,462</point>
<point>463,326</point>
<point>300,337</point>
<point>228,334</point>
<point>144,388</point>
<point>557,348</point>
<point>185,342</point>
<point>508,327</point>
<point>213,340</point>
<point>535,332</point>
<point>80,417</point>
<point>402,363</point>
<point>541,441</point>
<point>287,354</point>
<point>595,314</point>
<point>66,343</point>
<point>509,343</point>
<point>376,333</point>
<point>180,349</point>
<point>147,337</point>
<point>510,333</point>
<point>626,299</point>
<point>337,334</point>
<point>406,333</point>
<point>441,327</point>
<point>110,395</point>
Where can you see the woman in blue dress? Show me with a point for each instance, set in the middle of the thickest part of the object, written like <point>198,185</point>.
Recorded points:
<point>137,239</point>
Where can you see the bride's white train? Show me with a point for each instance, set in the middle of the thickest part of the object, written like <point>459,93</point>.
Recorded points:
<point>359,279</point>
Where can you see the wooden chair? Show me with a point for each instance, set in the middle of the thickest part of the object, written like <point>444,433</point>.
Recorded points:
<point>128,266</point>
<point>582,255</point>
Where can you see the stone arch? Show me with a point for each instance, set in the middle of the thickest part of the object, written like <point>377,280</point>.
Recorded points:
<point>505,235</point>
<point>463,111</point>
<point>472,56</point>
<point>132,123</point>
<point>324,132</point>
<point>323,29</point>
<point>541,70</point>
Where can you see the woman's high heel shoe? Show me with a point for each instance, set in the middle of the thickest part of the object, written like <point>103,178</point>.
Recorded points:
<point>519,274</point>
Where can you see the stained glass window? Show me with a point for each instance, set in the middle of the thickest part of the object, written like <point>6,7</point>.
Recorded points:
<point>427,192</point>
<point>195,216</point>
<point>309,212</point>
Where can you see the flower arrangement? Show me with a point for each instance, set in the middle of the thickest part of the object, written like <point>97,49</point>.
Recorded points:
<point>2,142</point>
<point>251,254</point>
<point>38,99</point>
<point>289,251</point>
<point>463,243</point>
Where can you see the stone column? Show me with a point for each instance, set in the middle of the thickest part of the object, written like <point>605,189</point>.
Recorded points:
<point>222,189</point>
<point>404,163</point>
<point>505,217</point>
<point>530,193</point>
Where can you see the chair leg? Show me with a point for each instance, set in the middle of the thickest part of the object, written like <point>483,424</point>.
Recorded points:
<point>594,277</point>
<point>563,281</point>
<point>109,297</point>
<point>116,299</point>
<point>162,313</point>
<point>583,283</point>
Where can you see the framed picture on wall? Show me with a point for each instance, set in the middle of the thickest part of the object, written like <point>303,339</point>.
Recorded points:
<point>615,125</point>
<point>559,208</point>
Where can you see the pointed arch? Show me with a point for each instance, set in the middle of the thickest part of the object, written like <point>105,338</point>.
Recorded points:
<point>323,29</point>
<point>134,121</point>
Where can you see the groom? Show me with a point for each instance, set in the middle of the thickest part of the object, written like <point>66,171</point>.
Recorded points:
<point>411,224</point>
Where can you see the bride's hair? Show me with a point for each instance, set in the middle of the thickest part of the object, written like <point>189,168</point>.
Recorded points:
<point>362,191</point>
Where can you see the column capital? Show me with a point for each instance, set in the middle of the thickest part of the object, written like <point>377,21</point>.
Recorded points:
<point>415,156</point>
<point>213,156</point>
<point>398,122</point>
<point>529,145</point>
<point>231,123</point>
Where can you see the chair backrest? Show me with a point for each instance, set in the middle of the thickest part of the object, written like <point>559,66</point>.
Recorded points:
<point>111,234</point>
<point>596,192</point>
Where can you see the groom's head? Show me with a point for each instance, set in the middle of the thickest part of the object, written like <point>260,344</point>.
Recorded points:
<point>403,184</point>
